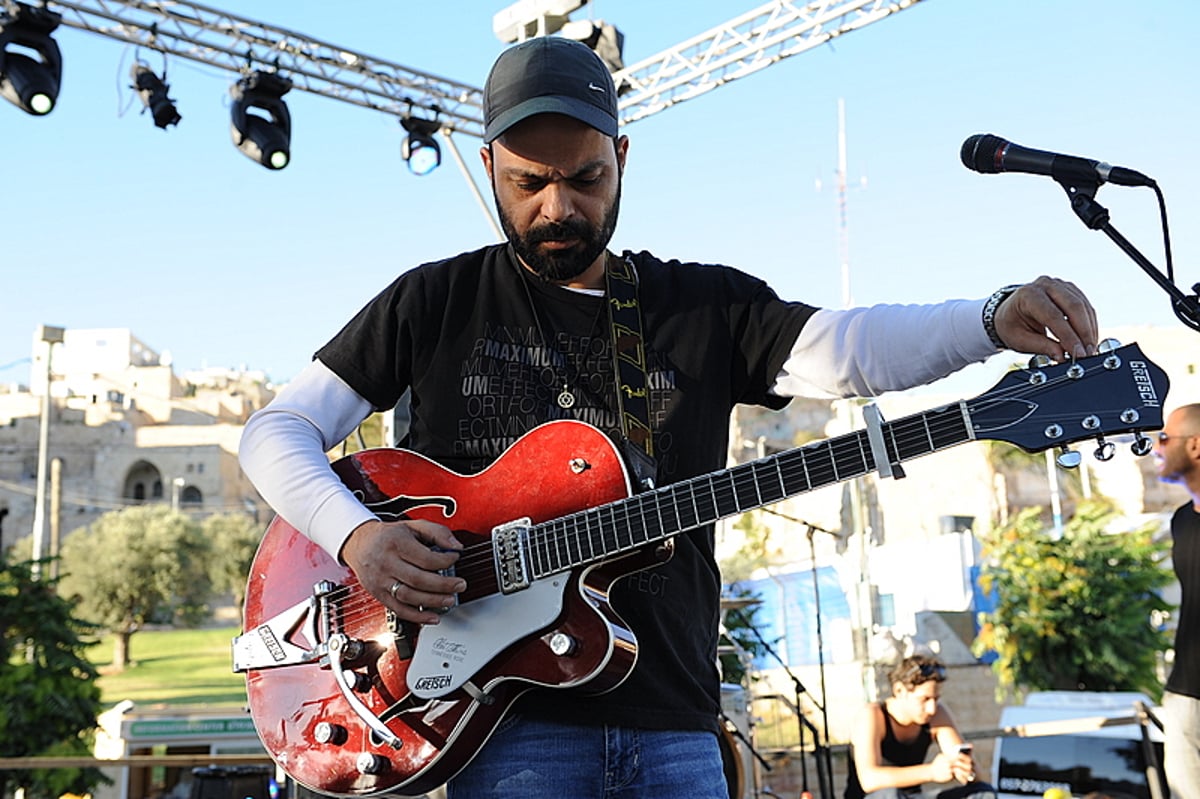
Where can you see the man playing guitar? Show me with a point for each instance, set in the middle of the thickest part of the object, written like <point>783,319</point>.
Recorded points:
<point>495,343</point>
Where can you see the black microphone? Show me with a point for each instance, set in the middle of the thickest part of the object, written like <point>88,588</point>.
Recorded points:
<point>990,154</point>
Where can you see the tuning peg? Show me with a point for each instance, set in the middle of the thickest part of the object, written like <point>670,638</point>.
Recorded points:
<point>1069,458</point>
<point>1108,345</point>
<point>1141,445</point>
<point>1105,449</point>
<point>1039,361</point>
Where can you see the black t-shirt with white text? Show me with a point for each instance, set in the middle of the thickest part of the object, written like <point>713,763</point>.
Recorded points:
<point>462,336</point>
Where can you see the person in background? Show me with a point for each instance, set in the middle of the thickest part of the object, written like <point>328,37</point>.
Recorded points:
<point>491,344</point>
<point>1177,458</point>
<point>890,740</point>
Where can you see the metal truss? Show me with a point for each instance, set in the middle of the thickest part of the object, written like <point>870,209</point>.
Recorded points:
<point>240,45</point>
<point>740,47</point>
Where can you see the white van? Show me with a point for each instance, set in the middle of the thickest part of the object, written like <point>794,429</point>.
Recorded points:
<point>1075,741</point>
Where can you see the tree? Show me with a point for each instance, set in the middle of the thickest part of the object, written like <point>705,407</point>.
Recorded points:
<point>1075,613</point>
<point>233,539</point>
<point>49,687</point>
<point>137,565</point>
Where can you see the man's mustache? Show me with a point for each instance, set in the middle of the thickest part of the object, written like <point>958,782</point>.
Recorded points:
<point>556,231</point>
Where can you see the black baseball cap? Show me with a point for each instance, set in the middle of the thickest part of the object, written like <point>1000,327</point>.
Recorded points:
<point>548,75</point>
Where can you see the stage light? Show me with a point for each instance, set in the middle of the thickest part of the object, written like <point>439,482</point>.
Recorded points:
<point>265,139</point>
<point>30,61</point>
<point>605,40</point>
<point>420,150</point>
<point>153,92</point>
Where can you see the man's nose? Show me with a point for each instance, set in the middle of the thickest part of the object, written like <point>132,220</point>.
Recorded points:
<point>557,203</point>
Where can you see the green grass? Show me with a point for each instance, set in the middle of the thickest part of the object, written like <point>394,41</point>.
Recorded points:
<point>172,667</point>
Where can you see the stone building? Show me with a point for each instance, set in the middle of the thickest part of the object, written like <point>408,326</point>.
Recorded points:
<point>123,429</point>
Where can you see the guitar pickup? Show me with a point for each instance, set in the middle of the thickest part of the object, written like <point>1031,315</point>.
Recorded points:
<point>269,644</point>
<point>510,552</point>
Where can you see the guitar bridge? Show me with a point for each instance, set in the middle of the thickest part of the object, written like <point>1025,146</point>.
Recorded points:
<point>510,552</point>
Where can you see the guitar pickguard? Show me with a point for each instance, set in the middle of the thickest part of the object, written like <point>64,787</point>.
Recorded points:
<point>467,638</point>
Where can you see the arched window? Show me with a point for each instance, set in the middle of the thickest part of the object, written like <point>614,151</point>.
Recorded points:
<point>143,481</point>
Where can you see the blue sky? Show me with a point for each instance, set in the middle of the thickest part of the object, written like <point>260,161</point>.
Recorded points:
<point>111,222</point>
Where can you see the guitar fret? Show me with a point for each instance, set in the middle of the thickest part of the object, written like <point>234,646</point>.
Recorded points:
<point>585,535</point>
<point>625,522</point>
<point>643,531</point>
<point>798,482</point>
<point>573,538</point>
<point>674,499</point>
<point>808,483</point>
<point>561,556</point>
<point>660,526</point>
<point>712,495</point>
<point>535,563</point>
<point>822,471</point>
<point>747,495</point>
<point>687,520</point>
<point>725,499</point>
<point>605,535</point>
<point>607,521</point>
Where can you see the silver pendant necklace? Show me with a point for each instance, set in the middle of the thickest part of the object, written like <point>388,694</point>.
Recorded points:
<point>566,398</point>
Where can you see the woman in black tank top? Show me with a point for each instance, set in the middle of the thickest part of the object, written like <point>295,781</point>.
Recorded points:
<point>892,738</point>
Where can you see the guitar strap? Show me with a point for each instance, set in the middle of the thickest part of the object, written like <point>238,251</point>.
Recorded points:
<point>629,366</point>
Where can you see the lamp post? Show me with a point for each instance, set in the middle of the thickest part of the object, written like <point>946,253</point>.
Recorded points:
<point>49,336</point>
<point>177,492</point>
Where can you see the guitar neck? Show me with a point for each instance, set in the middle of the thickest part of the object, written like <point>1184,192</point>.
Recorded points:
<point>618,527</point>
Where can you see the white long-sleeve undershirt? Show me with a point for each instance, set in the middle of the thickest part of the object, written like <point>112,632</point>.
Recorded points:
<point>857,352</point>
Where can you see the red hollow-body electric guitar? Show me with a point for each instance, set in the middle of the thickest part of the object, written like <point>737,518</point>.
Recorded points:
<point>349,701</point>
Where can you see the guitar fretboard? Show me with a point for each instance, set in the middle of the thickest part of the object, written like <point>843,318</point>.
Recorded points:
<point>609,530</point>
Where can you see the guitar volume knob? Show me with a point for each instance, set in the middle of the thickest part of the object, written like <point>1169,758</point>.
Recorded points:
<point>328,733</point>
<point>370,763</point>
<point>563,645</point>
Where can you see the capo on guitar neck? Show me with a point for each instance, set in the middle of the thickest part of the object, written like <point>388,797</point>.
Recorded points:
<point>883,464</point>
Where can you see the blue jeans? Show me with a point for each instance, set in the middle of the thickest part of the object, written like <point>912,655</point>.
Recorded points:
<point>532,759</point>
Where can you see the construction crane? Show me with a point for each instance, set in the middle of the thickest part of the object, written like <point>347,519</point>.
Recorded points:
<point>740,47</point>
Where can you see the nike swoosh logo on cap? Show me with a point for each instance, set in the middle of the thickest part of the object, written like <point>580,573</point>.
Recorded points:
<point>595,88</point>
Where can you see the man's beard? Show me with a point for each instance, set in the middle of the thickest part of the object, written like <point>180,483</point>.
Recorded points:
<point>559,266</point>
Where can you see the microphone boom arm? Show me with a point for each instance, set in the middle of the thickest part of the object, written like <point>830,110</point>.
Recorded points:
<point>1095,216</point>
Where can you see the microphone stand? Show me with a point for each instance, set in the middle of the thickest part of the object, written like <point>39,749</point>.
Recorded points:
<point>824,772</point>
<point>1094,216</point>
<point>821,751</point>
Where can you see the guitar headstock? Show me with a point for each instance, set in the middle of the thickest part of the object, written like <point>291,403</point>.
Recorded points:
<point>1118,391</point>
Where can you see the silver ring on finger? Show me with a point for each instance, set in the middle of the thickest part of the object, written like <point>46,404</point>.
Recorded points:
<point>396,586</point>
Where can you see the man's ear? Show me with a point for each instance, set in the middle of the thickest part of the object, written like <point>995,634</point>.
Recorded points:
<point>485,154</point>
<point>1192,446</point>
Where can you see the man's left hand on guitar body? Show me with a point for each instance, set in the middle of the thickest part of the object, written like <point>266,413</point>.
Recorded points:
<point>1053,305</point>
<point>398,563</point>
